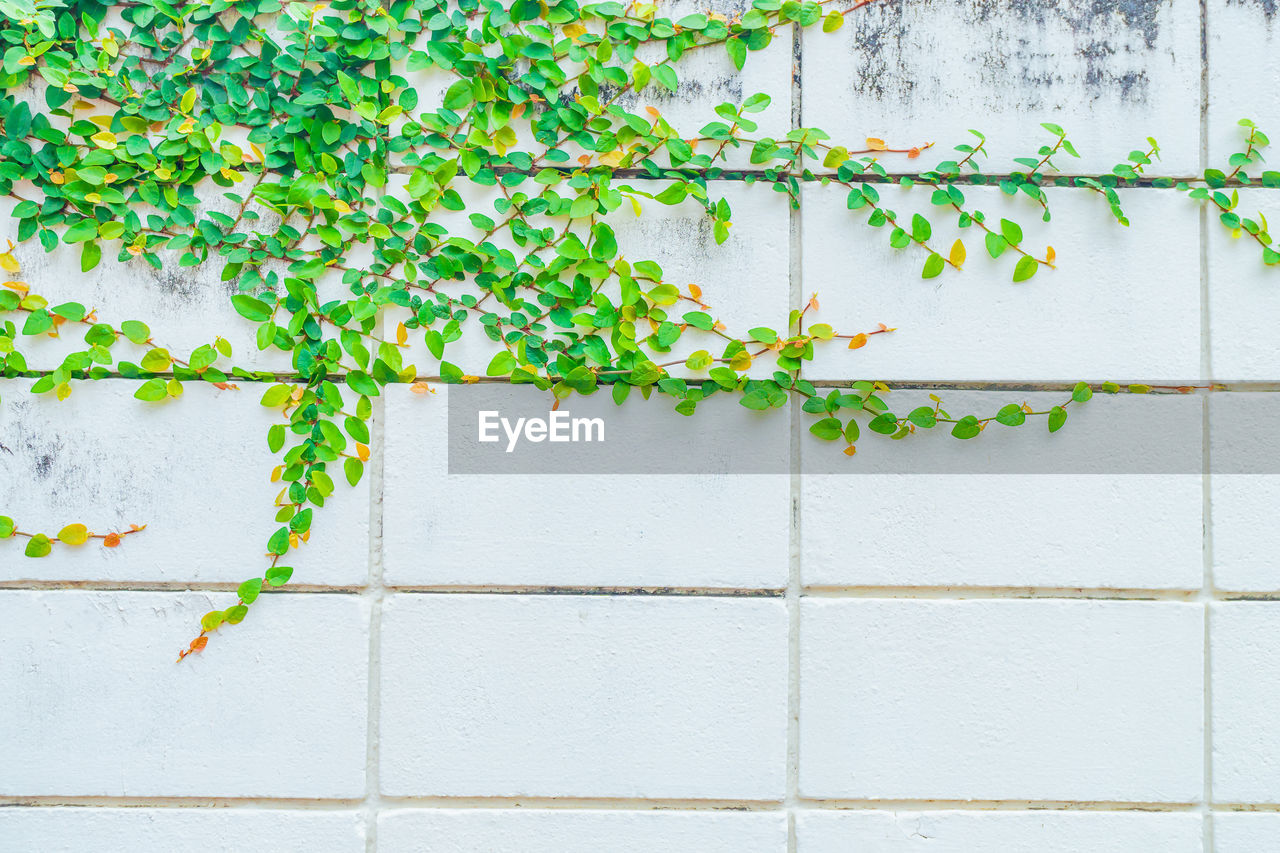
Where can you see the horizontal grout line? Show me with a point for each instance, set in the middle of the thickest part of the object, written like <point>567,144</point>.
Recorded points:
<point>170,586</point>
<point>516,589</point>
<point>958,593</point>
<point>731,174</point>
<point>481,803</point>
<point>944,593</point>
<point>1158,386</point>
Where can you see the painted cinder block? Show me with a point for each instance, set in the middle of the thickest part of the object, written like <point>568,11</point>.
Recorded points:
<point>195,470</point>
<point>1244,299</point>
<point>1243,832</point>
<point>164,830</point>
<point>1245,654</point>
<point>744,282</point>
<point>1110,73</point>
<point>997,832</point>
<point>572,696</point>
<point>94,704</point>
<point>574,831</point>
<point>1101,313</point>
<point>587,529</point>
<point>1113,499</point>
<point>1243,62</point>
<point>1024,700</point>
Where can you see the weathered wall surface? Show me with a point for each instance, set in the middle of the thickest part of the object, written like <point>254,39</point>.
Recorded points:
<point>814,662</point>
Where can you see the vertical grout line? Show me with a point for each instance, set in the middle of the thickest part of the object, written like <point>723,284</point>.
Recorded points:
<point>375,591</point>
<point>1206,477</point>
<point>793,568</point>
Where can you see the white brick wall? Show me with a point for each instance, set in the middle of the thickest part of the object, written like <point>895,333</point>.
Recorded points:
<point>813,662</point>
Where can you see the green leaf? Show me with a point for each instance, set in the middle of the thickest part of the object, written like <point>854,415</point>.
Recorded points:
<point>249,590</point>
<point>966,428</point>
<point>354,469</point>
<point>923,417</point>
<point>136,331</point>
<point>279,575</point>
<point>763,334</point>
<point>1011,232</point>
<point>6,527</point>
<point>279,542</point>
<point>90,254</point>
<point>1057,417</point>
<point>933,266</point>
<point>153,390</point>
<point>1082,392</point>
<point>38,546</point>
<point>502,364</point>
<point>250,308</point>
<point>827,429</point>
<point>1011,415</point>
<point>1025,268</point>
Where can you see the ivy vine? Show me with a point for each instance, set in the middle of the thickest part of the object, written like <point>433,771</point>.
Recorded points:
<point>121,121</point>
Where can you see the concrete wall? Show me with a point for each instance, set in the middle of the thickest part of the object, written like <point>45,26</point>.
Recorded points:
<point>812,662</point>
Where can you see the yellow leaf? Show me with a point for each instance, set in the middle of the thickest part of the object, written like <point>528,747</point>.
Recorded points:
<point>957,253</point>
<point>876,144</point>
<point>341,206</point>
<point>612,158</point>
<point>104,139</point>
<point>575,30</point>
<point>19,286</point>
<point>421,388</point>
<point>63,391</point>
<point>635,205</point>
<point>27,60</point>
<point>1050,255</point>
<point>362,452</point>
<point>858,341</point>
<point>741,361</point>
<point>882,388</point>
<point>9,262</point>
<point>470,380</point>
<point>276,472</point>
<point>402,334</point>
<point>74,534</point>
<point>294,540</point>
<point>850,450</point>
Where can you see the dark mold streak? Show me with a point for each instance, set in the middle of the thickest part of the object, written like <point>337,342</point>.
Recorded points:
<point>1011,62</point>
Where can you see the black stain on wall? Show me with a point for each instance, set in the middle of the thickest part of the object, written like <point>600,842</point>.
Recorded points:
<point>1018,51</point>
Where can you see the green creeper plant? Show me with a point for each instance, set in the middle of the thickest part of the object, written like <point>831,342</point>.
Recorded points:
<point>299,146</point>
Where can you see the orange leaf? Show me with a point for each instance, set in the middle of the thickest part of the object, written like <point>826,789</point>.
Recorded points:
<point>695,291</point>
<point>421,388</point>
<point>876,144</point>
<point>199,643</point>
<point>362,451</point>
<point>653,111</point>
<point>913,153</point>
<point>850,450</point>
<point>813,302</point>
<point>111,540</point>
<point>885,328</point>
<point>585,159</point>
<point>1050,255</point>
<point>858,341</point>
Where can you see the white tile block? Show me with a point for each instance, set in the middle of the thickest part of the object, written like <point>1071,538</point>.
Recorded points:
<point>1246,833</point>
<point>142,830</point>
<point>1244,295</point>
<point>1100,314</point>
<point>567,831</point>
<point>195,470</point>
<point>93,704</point>
<point>1246,539</point>
<point>1053,530</point>
<point>1022,700</point>
<point>998,832</point>
<point>1245,655</point>
<point>584,696</point>
<point>587,529</point>
<point>745,282</point>
<point>1111,74</point>
<point>1244,54</point>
